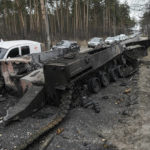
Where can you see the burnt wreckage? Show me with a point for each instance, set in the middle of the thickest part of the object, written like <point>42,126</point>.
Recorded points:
<point>64,78</point>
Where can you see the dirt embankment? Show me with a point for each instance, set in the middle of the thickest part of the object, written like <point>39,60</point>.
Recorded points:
<point>134,131</point>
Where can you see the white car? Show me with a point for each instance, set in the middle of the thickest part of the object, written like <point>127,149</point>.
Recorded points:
<point>11,49</point>
<point>123,37</point>
<point>96,41</point>
<point>132,36</point>
<point>110,40</point>
<point>117,38</point>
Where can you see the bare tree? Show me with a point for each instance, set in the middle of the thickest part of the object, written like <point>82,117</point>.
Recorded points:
<point>45,19</point>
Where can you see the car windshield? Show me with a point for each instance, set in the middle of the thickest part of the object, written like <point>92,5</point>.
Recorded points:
<point>2,52</point>
<point>63,43</point>
<point>95,40</point>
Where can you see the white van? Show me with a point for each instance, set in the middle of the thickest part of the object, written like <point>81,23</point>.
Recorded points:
<point>11,49</point>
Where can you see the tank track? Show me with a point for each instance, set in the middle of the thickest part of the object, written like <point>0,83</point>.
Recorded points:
<point>58,118</point>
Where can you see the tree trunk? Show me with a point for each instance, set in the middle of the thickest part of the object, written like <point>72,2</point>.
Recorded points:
<point>87,18</point>
<point>45,19</point>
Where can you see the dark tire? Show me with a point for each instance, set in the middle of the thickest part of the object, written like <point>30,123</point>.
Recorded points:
<point>105,79</point>
<point>94,85</point>
<point>113,75</point>
<point>120,72</point>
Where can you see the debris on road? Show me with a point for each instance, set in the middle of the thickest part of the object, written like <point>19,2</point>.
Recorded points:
<point>59,131</point>
<point>96,107</point>
<point>90,103</point>
<point>123,84</point>
<point>127,91</point>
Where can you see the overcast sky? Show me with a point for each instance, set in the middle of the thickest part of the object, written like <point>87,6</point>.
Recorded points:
<point>137,7</point>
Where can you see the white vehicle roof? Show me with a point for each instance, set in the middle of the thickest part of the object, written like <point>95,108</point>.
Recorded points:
<point>122,35</point>
<point>9,44</point>
<point>96,38</point>
<point>109,38</point>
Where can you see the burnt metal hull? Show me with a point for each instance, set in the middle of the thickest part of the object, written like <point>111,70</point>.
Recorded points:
<point>63,72</point>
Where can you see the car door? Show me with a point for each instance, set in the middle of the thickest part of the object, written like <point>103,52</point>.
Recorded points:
<point>12,53</point>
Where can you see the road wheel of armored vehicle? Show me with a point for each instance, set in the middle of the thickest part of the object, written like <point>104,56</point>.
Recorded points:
<point>94,85</point>
<point>120,72</point>
<point>113,75</point>
<point>104,79</point>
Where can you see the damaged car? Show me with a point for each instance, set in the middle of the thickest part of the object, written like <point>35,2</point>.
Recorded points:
<point>63,47</point>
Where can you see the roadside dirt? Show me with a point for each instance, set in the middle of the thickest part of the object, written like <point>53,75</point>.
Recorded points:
<point>133,132</point>
<point>122,124</point>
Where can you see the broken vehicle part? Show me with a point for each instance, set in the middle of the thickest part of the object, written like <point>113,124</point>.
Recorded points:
<point>32,101</point>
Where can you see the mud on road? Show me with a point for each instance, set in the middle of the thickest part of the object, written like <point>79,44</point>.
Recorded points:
<point>122,124</point>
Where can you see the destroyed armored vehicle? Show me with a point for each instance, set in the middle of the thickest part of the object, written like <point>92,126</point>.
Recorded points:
<point>63,47</point>
<point>94,68</point>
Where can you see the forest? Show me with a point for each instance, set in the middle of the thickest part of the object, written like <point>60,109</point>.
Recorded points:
<point>63,19</point>
<point>145,22</point>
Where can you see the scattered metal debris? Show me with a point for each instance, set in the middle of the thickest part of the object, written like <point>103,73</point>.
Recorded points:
<point>89,103</point>
<point>127,91</point>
